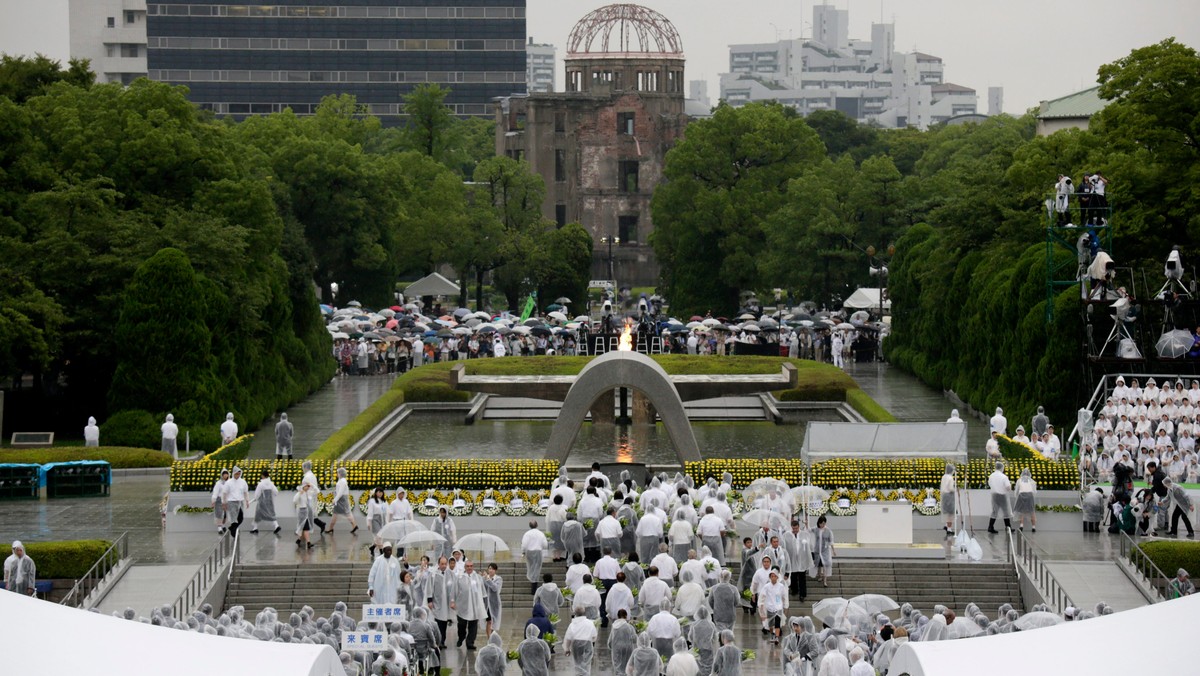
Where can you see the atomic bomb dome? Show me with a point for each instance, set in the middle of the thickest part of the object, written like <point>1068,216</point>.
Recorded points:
<point>624,30</point>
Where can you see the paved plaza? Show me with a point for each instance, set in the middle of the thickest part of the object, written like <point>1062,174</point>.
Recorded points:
<point>165,561</point>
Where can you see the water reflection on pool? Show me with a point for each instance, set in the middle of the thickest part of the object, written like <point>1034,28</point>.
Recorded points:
<point>440,436</point>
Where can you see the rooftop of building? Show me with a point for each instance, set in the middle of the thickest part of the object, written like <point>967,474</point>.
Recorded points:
<point>951,88</point>
<point>1080,104</point>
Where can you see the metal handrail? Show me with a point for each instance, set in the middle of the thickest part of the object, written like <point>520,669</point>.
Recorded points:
<point>213,567</point>
<point>1144,565</point>
<point>98,572</point>
<point>1027,562</point>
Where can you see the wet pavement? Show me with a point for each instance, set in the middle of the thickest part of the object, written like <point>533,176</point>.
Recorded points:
<point>324,412</point>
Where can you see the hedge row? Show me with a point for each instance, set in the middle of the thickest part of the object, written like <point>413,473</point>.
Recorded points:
<point>117,456</point>
<point>340,441</point>
<point>867,407</point>
<point>367,474</point>
<point>1171,556</point>
<point>66,560</point>
<point>854,473</point>
<point>237,449</point>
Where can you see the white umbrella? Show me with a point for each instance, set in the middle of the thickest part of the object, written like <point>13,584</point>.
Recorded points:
<point>398,530</point>
<point>712,322</point>
<point>695,325</point>
<point>844,326</point>
<point>751,328</point>
<point>746,315</point>
<point>338,335</point>
<point>483,315</point>
<point>806,495</point>
<point>875,603</point>
<point>523,330</point>
<point>557,315</point>
<point>354,303</point>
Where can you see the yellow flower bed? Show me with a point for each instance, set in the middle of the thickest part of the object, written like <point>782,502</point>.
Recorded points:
<point>367,474</point>
<point>881,474</point>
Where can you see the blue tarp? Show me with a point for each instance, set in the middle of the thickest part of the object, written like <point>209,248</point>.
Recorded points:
<point>51,465</point>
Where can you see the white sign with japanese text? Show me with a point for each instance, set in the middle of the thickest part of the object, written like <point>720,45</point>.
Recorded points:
<point>364,641</point>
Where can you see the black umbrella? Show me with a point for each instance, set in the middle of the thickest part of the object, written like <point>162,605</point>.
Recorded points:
<point>539,331</point>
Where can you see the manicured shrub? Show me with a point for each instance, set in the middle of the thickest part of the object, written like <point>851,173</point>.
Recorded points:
<point>117,457</point>
<point>68,559</point>
<point>1171,556</point>
<point>133,428</point>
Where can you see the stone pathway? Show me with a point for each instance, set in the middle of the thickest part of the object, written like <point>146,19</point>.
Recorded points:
<point>324,412</point>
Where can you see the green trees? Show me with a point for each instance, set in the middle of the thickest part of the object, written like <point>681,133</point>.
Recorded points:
<point>727,176</point>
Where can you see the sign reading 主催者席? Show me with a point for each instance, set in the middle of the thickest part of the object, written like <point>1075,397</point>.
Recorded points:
<point>383,612</point>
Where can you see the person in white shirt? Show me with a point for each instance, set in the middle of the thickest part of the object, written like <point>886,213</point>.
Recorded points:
<point>1053,444</point>
<point>568,495</point>
<point>91,433</point>
<point>606,570</point>
<point>859,666</point>
<point>588,598</point>
<point>663,627</point>
<point>619,597</point>
<point>667,568</point>
<point>229,430</point>
<point>236,498</point>
<point>533,544</point>
<point>1001,489</point>
<point>680,537</point>
<point>342,504</point>
<point>691,594</point>
<point>170,432</point>
<point>580,641</point>
<point>576,572</point>
<point>608,531</point>
<point>992,447</point>
<point>649,533</point>
<point>217,500</point>
<point>377,517</point>
<point>383,582</point>
<point>711,530</point>
<point>772,602</point>
<point>653,591</point>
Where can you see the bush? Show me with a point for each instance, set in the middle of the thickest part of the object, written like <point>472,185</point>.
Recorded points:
<point>65,560</point>
<point>814,393</point>
<point>866,473</point>
<point>1171,556</point>
<point>367,474</point>
<point>869,408</point>
<point>428,391</point>
<point>340,441</point>
<point>133,428</point>
<point>117,457</point>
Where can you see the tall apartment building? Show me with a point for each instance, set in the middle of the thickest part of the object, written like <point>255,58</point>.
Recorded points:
<point>241,60</point>
<point>865,79</point>
<point>112,35</point>
<point>539,68</point>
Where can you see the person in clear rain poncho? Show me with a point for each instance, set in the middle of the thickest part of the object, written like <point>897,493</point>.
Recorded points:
<point>264,503</point>
<point>283,437</point>
<point>342,504</point>
<point>728,660</point>
<point>443,525</point>
<point>689,596</point>
<point>621,640</point>
<point>91,433</point>
<point>218,501</point>
<point>834,663</point>
<point>425,640</point>
<point>229,430</point>
<point>572,536</point>
<point>948,488</point>
<point>492,585</point>
<point>383,582</point>
<point>664,628</point>
<point>580,642</point>
<point>351,667</point>
<point>859,666</point>
<point>645,660</point>
<point>20,572</point>
<point>491,660</point>
<point>1001,488</point>
<point>1026,490</point>
<point>533,545</point>
<point>682,662</point>
<point>702,635</point>
<point>724,600</point>
<point>170,435</point>
<point>533,654</point>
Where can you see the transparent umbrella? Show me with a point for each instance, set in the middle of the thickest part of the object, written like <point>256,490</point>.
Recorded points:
<point>760,517</point>
<point>875,603</point>
<point>398,530</point>
<point>763,491</point>
<point>1037,620</point>
<point>836,610</point>
<point>1173,344</point>
<point>420,538</point>
<point>486,546</point>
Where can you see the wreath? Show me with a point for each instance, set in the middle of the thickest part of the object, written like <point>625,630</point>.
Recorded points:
<point>492,510</point>
<point>920,506</point>
<point>467,506</point>
<point>851,498</point>
<point>535,502</point>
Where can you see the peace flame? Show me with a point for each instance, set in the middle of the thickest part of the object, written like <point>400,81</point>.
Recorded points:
<point>626,338</point>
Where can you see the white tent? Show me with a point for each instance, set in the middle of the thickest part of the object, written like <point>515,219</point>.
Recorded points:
<point>882,441</point>
<point>866,298</point>
<point>432,284</point>
<point>1088,647</point>
<point>41,638</point>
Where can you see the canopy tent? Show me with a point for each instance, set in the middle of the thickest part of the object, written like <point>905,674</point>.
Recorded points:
<point>1067,648</point>
<point>36,633</point>
<point>866,298</point>
<point>432,284</point>
<point>825,440</point>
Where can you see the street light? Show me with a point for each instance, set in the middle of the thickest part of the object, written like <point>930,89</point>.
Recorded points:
<point>610,241</point>
<point>880,272</point>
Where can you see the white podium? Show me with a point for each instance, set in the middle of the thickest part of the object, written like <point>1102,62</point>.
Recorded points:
<point>885,523</point>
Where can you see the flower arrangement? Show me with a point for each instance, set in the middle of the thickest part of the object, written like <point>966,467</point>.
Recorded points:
<point>1059,509</point>
<point>843,502</point>
<point>748,655</point>
<point>513,655</point>
<point>553,618</point>
<point>490,509</point>
<point>188,509</point>
<point>639,626</point>
<point>516,502</point>
<point>550,638</point>
<point>925,506</point>
<point>199,475</point>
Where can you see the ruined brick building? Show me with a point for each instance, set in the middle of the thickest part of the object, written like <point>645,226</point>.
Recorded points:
<point>600,145</point>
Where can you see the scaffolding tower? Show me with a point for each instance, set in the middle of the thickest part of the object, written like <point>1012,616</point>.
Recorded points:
<point>1065,230</point>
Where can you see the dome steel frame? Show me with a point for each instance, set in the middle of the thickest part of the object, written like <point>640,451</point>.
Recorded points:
<point>624,30</point>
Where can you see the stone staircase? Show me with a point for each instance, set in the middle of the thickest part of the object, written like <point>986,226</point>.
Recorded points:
<point>288,587</point>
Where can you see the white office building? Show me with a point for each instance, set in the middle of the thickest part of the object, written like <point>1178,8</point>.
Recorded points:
<point>539,67</point>
<point>112,35</point>
<point>865,79</point>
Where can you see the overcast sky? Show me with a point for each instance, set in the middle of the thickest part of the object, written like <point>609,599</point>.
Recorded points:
<point>1035,49</point>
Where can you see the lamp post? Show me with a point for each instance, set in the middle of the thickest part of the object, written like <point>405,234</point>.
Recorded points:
<point>610,241</point>
<point>881,273</point>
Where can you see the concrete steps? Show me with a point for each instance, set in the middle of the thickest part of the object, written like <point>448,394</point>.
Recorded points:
<point>924,584</point>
